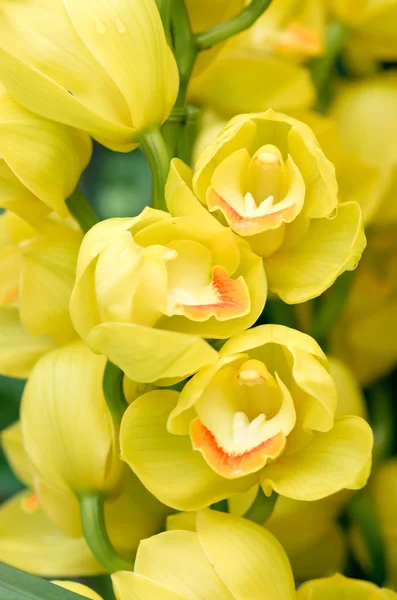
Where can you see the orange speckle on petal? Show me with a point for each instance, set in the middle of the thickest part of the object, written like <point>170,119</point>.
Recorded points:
<point>30,504</point>
<point>298,37</point>
<point>232,466</point>
<point>10,296</point>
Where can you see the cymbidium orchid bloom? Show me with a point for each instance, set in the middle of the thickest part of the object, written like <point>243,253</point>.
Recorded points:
<point>103,67</point>
<point>66,446</point>
<point>367,125</point>
<point>38,256</point>
<point>251,73</point>
<point>227,558</point>
<point>149,288</point>
<point>263,413</point>
<point>308,531</point>
<point>68,433</point>
<point>365,335</point>
<point>267,177</point>
<point>293,29</point>
<point>38,158</point>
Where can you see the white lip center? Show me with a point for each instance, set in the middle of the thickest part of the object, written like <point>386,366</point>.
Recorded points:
<point>251,209</point>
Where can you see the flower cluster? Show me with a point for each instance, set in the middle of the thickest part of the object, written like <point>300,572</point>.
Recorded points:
<point>204,355</point>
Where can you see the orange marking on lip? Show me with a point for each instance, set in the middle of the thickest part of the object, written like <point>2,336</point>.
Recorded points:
<point>215,202</point>
<point>232,299</point>
<point>246,225</point>
<point>232,466</point>
<point>10,296</point>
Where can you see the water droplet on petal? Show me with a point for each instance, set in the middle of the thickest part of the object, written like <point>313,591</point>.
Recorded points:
<point>121,28</point>
<point>100,26</point>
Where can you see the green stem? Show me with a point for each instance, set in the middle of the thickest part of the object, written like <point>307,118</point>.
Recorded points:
<point>154,146</point>
<point>262,508</point>
<point>223,31</point>
<point>96,535</point>
<point>185,48</point>
<point>81,210</point>
<point>323,67</point>
<point>112,383</point>
<point>364,519</point>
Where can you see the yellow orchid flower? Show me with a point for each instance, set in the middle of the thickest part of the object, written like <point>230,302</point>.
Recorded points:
<point>38,257</point>
<point>68,433</point>
<point>78,588</point>
<point>313,541</point>
<point>243,79</point>
<point>308,531</point>
<point>365,336</point>
<point>367,124</point>
<point>149,288</point>
<point>339,586</point>
<point>38,158</point>
<point>251,72</point>
<point>267,177</point>
<point>293,29</point>
<point>102,67</point>
<point>228,558</point>
<point>218,437</point>
<point>40,529</point>
<point>373,25</point>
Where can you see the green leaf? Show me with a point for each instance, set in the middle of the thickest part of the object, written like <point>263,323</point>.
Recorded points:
<point>17,585</point>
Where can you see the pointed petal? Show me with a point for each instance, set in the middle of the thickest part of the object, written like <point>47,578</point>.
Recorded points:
<point>181,201</point>
<point>330,247</point>
<point>332,461</point>
<point>319,399</point>
<point>246,80</point>
<point>272,334</point>
<point>78,588</point>
<point>146,354</point>
<point>166,463</point>
<point>248,559</point>
<point>176,560</point>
